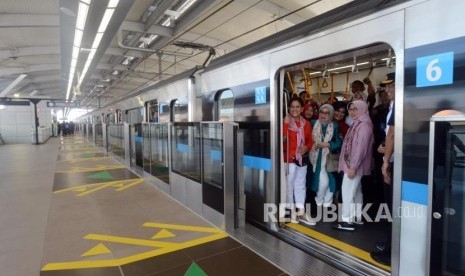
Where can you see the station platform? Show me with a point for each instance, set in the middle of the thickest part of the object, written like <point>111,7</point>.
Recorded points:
<point>68,209</point>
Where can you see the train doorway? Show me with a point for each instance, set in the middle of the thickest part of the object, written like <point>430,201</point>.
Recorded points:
<point>325,87</point>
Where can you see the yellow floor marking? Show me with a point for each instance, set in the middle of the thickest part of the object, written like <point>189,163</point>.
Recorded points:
<point>163,234</point>
<point>161,248</point>
<point>100,249</point>
<point>132,241</point>
<point>357,252</point>
<point>85,189</point>
<point>72,161</point>
<point>90,169</point>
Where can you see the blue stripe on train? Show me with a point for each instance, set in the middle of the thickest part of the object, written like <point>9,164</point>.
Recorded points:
<point>257,163</point>
<point>415,192</point>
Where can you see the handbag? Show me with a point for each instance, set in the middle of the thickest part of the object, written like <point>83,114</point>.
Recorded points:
<point>332,162</point>
<point>305,160</point>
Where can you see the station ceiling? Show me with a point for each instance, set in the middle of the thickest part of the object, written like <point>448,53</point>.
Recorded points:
<point>139,44</point>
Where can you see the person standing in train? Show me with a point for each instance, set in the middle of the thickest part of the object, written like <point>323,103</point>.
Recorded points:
<point>355,162</point>
<point>340,112</point>
<point>326,141</point>
<point>297,138</point>
<point>384,254</point>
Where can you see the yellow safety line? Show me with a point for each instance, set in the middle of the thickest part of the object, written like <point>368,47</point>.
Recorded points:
<point>84,159</point>
<point>102,185</point>
<point>357,252</point>
<point>133,241</point>
<point>91,169</point>
<point>138,181</point>
<point>133,258</point>
<point>182,227</point>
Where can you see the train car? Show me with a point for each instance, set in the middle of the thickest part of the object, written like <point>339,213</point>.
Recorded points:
<point>421,41</point>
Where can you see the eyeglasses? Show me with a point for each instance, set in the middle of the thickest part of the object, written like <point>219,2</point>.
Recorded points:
<point>326,113</point>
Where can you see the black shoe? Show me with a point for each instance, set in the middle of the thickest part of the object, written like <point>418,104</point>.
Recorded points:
<point>346,226</point>
<point>383,257</point>
<point>381,246</point>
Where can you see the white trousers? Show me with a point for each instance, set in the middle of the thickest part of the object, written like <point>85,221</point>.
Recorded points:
<point>296,185</point>
<point>324,196</point>
<point>352,198</point>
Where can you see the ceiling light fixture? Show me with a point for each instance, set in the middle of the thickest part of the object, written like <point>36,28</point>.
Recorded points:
<point>78,33</point>
<point>98,37</point>
<point>347,66</point>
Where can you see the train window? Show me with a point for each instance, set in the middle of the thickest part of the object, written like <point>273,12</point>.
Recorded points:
<point>179,109</point>
<point>152,111</point>
<point>226,106</point>
<point>135,115</point>
<point>174,106</point>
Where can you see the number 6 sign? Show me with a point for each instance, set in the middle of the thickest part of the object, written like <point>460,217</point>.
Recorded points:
<point>435,70</point>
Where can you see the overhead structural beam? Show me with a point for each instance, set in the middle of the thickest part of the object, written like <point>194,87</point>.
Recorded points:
<point>121,45</point>
<point>12,85</point>
<point>28,69</point>
<point>30,51</point>
<point>29,20</point>
<point>159,11</point>
<point>193,13</point>
<point>122,52</point>
<point>139,28</point>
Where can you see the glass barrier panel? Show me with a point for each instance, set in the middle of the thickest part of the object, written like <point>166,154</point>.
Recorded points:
<point>98,135</point>
<point>146,146</point>
<point>257,166</point>
<point>185,150</point>
<point>159,151</point>
<point>116,139</point>
<point>138,144</point>
<point>90,132</point>
<point>212,154</point>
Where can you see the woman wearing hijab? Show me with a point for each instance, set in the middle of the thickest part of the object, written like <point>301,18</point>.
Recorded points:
<point>297,134</point>
<point>355,162</point>
<point>326,140</point>
<point>308,112</point>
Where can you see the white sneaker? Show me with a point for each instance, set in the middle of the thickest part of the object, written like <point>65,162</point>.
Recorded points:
<point>306,219</point>
<point>294,218</point>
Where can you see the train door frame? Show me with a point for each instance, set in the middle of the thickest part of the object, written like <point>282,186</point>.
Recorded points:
<point>172,109</point>
<point>322,45</point>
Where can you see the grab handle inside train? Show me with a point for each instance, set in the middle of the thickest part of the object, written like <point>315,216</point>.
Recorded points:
<point>446,194</point>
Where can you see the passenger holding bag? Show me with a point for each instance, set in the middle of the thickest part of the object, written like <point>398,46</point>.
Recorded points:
<point>326,143</point>
<point>297,139</point>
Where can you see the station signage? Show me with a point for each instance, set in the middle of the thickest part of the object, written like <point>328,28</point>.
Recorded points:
<point>63,104</point>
